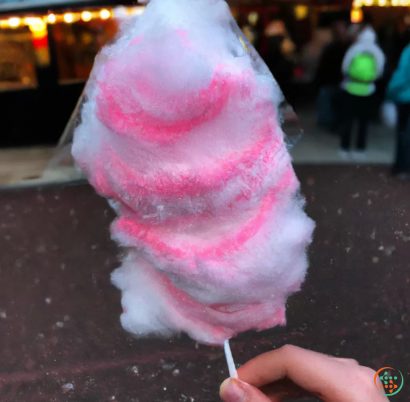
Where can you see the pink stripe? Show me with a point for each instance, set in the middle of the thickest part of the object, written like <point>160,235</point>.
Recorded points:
<point>214,177</point>
<point>132,120</point>
<point>151,237</point>
<point>220,323</point>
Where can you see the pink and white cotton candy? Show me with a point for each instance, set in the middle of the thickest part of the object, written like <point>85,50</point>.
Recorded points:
<point>181,132</point>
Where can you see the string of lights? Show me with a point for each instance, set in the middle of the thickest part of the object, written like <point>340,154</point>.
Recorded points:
<point>356,14</point>
<point>39,23</point>
<point>381,3</point>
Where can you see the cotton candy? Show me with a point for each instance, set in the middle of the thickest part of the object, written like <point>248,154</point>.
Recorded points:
<point>181,132</point>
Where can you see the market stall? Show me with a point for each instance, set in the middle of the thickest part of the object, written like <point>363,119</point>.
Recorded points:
<point>46,55</point>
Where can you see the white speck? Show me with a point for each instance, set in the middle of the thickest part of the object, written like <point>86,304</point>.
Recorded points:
<point>348,249</point>
<point>381,248</point>
<point>48,300</point>
<point>369,202</point>
<point>72,212</point>
<point>389,250</point>
<point>60,324</point>
<point>375,260</point>
<point>197,345</point>
<point>373,235</point>
<point>135,369</point>
<point>339,211</point>
<point>167,366</point>
<point>405,238</point>
<point>165,388</point>
<point>3,315</point>
<point>93,247</point>
<point>175,373</point>
<point>208,367</point>
<point>7,237</point>
<point>113,398</point>
<point>343,342</point>
<point>356,195</point>
<point>62,266</point>
<point>66,318</point>
<point>36,281</point>
<point>67,387</point>
<point>41,249</point>
<point>40,336</point>
<point>400,336</point>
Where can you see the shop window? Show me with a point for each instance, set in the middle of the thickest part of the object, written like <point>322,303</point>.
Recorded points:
<point>17,59</point>
<point>77,44</point>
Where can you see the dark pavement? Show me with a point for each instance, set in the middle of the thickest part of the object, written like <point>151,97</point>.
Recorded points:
<point>60,337</point>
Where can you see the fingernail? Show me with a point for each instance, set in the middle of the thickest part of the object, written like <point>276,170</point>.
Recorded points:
<point>232,391</point>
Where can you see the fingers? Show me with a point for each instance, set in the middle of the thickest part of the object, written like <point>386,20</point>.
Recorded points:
<point>329,378</point>
<point>284,390</point>
<point>233,390</point>
<point>287,362</point>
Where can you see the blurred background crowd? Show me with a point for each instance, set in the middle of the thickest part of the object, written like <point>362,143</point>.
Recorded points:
<point>344,67</point>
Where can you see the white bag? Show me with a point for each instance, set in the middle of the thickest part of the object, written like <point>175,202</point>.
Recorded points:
<point>389,114</point>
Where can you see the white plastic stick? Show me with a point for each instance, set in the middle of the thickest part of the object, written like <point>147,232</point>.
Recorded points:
<point>229,360</point>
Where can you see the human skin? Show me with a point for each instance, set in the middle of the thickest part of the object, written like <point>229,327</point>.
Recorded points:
<point>291,372</point>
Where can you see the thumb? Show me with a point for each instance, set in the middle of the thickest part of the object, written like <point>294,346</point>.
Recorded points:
<point>233,390</point>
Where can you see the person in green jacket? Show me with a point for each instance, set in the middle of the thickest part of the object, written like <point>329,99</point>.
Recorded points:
<point>398,91</point>
<point>362,65</point>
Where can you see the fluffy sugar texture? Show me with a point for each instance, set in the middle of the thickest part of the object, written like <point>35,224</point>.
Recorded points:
<point>181,133</point>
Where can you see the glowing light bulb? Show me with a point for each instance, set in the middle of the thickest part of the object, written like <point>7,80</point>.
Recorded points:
<point>253,17</point>
<point>301,12</point>
<point>105,14</point>
<point>356,16</point>
<point>35,24</point>
<point>14,22</point>
<point>69,18</point>
<point>51,18</point>
<point>137,10</point>
<point>86,16</point>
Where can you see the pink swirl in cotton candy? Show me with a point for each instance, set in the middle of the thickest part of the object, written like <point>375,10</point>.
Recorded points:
<point>181,133</point>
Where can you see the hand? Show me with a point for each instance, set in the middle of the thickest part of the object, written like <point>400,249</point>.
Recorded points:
<point>291,372</point>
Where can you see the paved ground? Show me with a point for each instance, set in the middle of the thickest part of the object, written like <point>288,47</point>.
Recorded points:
<point>60,339</point>
<point>319,146</point>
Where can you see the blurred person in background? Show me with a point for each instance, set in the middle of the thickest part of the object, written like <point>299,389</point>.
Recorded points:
<point>390,42</point>
<point>398,91</point>
<point>312,52</point>
<point>279,57</point>
<point>329,76</point>
<point>362,65</point>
